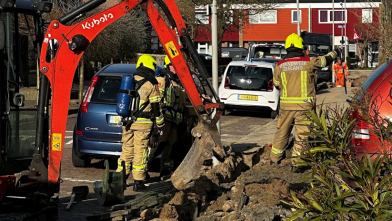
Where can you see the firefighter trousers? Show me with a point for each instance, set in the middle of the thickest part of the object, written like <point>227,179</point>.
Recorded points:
<point>287,120</point>
<point>168,139</point>
<point>135,152</point>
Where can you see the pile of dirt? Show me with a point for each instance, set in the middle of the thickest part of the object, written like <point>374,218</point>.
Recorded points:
<point>358,82</point>
<point>234,190</point>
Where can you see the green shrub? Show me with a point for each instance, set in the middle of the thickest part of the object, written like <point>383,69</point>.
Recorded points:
<point>344,187</point>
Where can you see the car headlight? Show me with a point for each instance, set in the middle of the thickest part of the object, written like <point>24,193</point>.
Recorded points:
<point>325,69</point>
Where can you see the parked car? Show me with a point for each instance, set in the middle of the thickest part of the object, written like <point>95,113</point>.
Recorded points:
<point>379,88</point>
<point>207,60</point>
<point>98,130</point>
<point>236,53</point>
<point>249,85</point>
<point>274,50</point>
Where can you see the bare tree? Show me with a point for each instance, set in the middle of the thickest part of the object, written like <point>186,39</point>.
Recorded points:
<point>385,49</point>
<point>119,42</point>
<point>232,14</point>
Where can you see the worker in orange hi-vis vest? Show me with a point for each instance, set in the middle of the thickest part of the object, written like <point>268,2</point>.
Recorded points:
<point>340,70</point>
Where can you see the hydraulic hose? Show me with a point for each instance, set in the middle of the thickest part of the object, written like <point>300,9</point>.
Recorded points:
<point>86,7</point>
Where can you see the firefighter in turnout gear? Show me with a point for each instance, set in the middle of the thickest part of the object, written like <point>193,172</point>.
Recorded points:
<point>149,123</point>
<point>172,103</point>
<point>293,76</point>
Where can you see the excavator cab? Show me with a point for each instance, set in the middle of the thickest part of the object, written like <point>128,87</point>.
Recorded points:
<point>24,129</point>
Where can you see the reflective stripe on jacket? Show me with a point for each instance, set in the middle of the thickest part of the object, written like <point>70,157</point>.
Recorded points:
<point>173,99</point>
<point>148,92</point>
<point>295,78</point>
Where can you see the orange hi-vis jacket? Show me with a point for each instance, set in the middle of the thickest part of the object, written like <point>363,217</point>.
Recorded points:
<point>340,71</point>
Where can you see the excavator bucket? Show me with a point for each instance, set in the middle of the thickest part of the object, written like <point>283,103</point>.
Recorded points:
<point>206,145</point>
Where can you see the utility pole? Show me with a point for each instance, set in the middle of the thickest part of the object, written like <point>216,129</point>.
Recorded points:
<point>214,27</point>
<point>298,19</point>
<point>346,46</point>
<point>333,36</point>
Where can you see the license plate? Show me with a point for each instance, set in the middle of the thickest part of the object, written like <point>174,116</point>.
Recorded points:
<point>248,97</point>
<point>114,119</point>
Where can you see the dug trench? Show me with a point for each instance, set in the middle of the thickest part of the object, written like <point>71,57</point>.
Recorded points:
<point>243,187</point>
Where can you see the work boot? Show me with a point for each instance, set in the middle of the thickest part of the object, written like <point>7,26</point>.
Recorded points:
<point>139,186</point>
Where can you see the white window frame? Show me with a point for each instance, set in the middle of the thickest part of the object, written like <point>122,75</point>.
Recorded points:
<point>329,19</point>
<point>204,14</point>
<point>292,16</point>
<point>264,22</point>
<point>231,17</point>
<point>368,19</point>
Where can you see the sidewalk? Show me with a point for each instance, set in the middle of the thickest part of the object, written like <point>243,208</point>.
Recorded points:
<point>265,134</point>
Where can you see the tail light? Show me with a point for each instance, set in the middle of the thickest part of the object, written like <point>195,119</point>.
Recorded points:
<point>270,85</point>
<point>227,83</point>
<point>79,132</point>
<point>87,97</point>
<point>361,134</point>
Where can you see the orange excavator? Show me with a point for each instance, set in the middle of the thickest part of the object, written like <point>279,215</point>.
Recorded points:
<point>62,48</point>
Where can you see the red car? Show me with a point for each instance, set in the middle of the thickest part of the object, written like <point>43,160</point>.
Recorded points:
<point>378,86</point>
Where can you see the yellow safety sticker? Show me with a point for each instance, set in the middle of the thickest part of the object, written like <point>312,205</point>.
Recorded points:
<point>56,142</point>
<point>173,52</point>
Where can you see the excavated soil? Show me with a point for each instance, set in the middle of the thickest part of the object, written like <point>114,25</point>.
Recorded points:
<point>234,190</point>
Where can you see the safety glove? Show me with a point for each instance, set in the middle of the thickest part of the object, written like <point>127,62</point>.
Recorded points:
<point>154,139</point>
<point>338,51</point>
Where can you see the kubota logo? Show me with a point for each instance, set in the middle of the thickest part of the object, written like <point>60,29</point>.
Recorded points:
<point>95,22</point>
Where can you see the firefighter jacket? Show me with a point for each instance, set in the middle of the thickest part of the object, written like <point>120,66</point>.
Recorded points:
<point>173,96</point>
<point>148,92</point>
<point>294,77</point>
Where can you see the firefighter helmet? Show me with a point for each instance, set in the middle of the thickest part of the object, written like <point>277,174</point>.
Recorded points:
<point>147,61</point>
<point>167,61</point>
<point>294,41</point>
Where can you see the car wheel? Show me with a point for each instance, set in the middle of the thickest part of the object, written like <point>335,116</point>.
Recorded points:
<point>227,109</point>
<point>275,113</point>
<point>76,160</point>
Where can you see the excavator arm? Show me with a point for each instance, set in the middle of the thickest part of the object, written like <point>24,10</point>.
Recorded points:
<point>64,45</point>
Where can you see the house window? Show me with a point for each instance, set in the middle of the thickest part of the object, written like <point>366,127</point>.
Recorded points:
<point>228,17</point>
<point>201,17</point>
<point>264,17</point>
<point>294,16</point>
<point>327,16</point>
<point>367,15</point>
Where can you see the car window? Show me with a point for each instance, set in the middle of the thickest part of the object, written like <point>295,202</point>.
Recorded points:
<point>249,71</point>
<point>249,77</point>
<point>106,90</point>
<point>208,57</point>
<point>372,77</point>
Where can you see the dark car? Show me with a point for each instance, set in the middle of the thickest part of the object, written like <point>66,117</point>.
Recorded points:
<point>379,88</point>
<point>98,128</point>
<point>207,61</point>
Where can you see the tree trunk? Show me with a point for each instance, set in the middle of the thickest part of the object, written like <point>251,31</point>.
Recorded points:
<point>81,80</point>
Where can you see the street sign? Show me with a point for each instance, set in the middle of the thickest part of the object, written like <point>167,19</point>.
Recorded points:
<point>341,26</point>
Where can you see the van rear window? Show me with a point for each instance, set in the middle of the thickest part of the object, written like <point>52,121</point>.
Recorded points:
<point>106,90</point>
<point>249,77</point>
